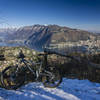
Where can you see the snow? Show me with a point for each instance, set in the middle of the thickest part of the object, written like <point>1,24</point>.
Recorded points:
<point>70,89</point>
